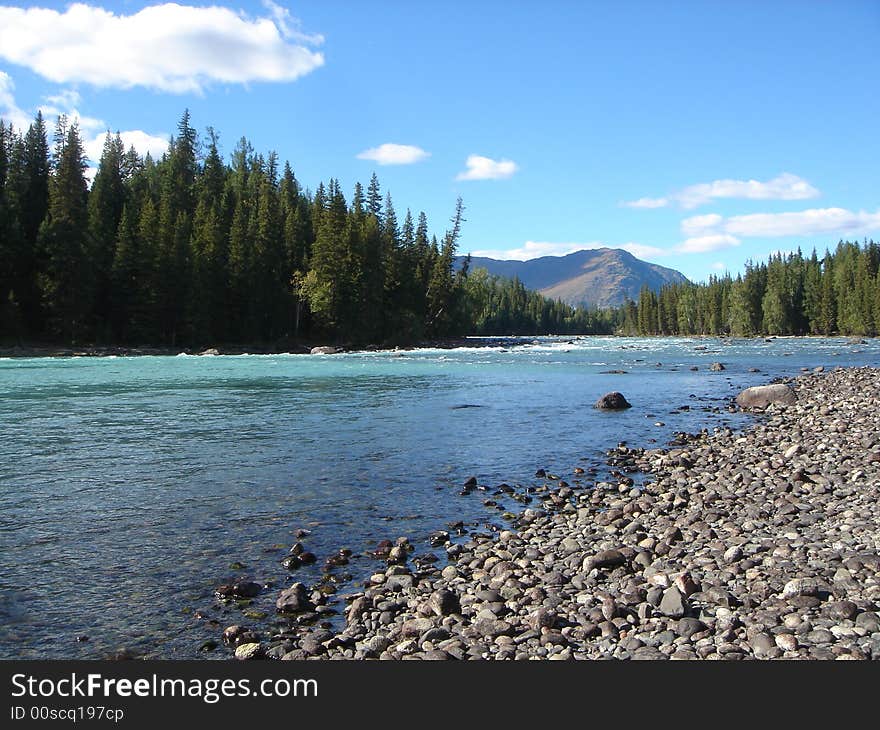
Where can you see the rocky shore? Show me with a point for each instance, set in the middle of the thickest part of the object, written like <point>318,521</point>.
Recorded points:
<point>725,546</point>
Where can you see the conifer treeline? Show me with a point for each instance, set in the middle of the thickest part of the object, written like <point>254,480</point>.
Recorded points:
<point>788,295</point>
<point>189,249</point>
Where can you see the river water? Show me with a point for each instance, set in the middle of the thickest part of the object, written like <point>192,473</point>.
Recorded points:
<point>130,485</point>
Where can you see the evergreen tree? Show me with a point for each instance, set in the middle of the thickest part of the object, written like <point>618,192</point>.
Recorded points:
<point>65,281</point>
<point>106,201</point>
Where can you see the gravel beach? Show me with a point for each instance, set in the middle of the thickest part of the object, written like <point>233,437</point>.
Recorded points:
<point>763,543</point>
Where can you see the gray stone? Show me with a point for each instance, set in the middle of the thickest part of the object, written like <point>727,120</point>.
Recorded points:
<point>294,599</point>
<point>840,610</point>
<point>869,621</point>
<point>252,650</point>
<point>761,396</point>
<point>604,559</point>
<point>673,603</point>
<point>687,627</point>
<point>801,587</point>
<point>444,602</point>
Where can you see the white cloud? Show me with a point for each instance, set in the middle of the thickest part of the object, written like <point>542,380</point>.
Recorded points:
<point>10,112</point>
<point>141,141</point>
<point>536,249</point>
<point>485,168</point>
<point>719,266</point>
<point>394,154</point>
<point>816,221</point>
<point>782,187</point>
<point>66,98</point>
<point>647,203</point>
<point>812,222</point>
<point>699,224</point>
<point>167,47</point>
<point>704,244</point>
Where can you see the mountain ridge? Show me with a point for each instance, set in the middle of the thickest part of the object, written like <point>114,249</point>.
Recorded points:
<point>601,277</point>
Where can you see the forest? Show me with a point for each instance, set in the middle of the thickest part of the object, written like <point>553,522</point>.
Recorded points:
<point>192,250</point>
<point>788,295</point>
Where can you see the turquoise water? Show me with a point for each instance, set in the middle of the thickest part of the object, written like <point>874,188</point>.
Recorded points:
<point>129,485</point>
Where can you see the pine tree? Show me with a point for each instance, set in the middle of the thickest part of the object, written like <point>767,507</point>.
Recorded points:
<point>65,280</point>
<point>106,201</point>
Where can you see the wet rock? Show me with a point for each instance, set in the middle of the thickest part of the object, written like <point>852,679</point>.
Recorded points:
<point>241,589</point>
<point>716,367</point>
<point>294,600</point>
<point>613,401</point>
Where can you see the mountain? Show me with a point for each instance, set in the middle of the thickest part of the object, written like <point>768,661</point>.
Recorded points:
<point>602,277</point>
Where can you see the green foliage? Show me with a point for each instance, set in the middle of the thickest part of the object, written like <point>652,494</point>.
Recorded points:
<point>789,295</point>
<point>191,249</point>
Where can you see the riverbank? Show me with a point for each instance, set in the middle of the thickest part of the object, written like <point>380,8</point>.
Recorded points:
<point>287,348</point>
<point>31,350</point>
<point>756,544</point>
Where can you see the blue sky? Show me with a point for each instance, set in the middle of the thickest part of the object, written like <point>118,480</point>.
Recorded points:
<point>695,134</point>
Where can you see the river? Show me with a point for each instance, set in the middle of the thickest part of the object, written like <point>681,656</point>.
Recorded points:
<point>130,485</point>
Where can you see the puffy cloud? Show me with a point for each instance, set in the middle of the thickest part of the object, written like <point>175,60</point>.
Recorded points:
<point>168,47</point>
<point>394,154</point>
<point>812,222</point>
<point>816,221</point>
<point>782,187</point>
<point>698,224</point>
<point>485,168</point>
<point>141,141</point>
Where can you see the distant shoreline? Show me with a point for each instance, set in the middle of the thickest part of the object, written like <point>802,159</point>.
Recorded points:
<point>48,350</point>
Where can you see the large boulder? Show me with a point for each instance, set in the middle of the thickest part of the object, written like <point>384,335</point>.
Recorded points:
<point>613,401</point>
<point>325,350</point>
<point>761,396</point>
